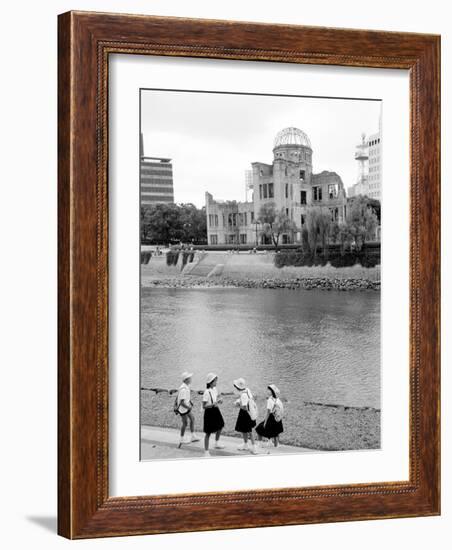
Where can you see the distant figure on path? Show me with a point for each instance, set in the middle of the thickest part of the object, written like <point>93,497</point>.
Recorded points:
<point>246,419</point>
<point>184,408</point>
<point>213,419</point>
<point>272,425</point>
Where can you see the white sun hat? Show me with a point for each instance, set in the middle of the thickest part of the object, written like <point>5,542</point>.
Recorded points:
<point>186,375</point>
<point>211,377</point>
<point>239,383</point>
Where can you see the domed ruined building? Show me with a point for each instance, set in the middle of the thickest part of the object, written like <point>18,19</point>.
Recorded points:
<point>288,183</point>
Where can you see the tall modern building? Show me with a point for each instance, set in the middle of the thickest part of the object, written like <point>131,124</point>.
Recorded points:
<point>368,157</point>
<point>374,178</point>
<point>289,183</point>
<point>156,178</point>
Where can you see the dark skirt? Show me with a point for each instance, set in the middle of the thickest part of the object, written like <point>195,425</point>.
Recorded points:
<point>271,429</point>
<point>244,423</point>
<point>213,420</point>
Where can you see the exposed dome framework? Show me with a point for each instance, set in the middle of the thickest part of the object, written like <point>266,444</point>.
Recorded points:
<point>292,136</point>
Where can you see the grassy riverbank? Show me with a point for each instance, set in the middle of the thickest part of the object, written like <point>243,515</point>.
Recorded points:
<point>311,425</point>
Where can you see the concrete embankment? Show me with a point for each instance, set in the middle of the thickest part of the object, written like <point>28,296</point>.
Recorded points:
<point>255,271</point>
<point>306,424</point>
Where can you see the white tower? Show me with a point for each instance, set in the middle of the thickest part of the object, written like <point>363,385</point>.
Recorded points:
<point>248,183</point>
<point>362,156</point>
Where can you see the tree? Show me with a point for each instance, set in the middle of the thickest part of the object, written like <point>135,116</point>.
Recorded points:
<point>344,236</point>
<point>361,220</point>
<point>194,223</point>
<point>375,205</point>
<point>318,222</point>
<point>370,224</point>
<point>144,223</point>
<point>324,222</point>
<point>334,232</point>
<point>166,223</point>
<point>275,223</point>
<point>305,241</point>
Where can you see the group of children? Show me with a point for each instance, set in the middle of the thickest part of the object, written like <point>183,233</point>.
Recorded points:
<point>270,428</point>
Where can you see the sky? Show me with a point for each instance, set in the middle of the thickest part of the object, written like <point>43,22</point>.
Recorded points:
<point>212,138</point>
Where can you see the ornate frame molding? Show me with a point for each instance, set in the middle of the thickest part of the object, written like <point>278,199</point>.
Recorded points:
<point>85,42</point>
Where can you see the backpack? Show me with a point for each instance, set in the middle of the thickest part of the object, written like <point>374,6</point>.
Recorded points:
<point>278,410</point>
<point>252,406</point>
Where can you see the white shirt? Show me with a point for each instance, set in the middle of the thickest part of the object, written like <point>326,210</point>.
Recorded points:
<point>245,397</point>
<point>183,395</point>
<point>271,402</point>
<point>210,396</point>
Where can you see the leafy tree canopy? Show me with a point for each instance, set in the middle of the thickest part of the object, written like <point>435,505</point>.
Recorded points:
<point>166,223</point>
<point>274,222</point>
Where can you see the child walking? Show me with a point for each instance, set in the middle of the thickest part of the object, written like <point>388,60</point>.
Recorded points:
<point>272,425</point>
<point>184,408</point>
<point>245,423</point>
<point>213,419</point>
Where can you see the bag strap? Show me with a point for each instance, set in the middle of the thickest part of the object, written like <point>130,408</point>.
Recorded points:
<point>249,397</point>
<point>276,405</point>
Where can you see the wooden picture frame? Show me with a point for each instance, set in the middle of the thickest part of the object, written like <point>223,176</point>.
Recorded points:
<point>85,42</point>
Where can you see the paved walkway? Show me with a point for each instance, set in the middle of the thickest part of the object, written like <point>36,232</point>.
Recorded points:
<point>161,443</point>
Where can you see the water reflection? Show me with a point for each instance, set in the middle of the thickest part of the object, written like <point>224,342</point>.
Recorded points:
<point>316,345</point>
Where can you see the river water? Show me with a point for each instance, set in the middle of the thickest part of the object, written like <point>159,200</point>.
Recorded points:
<point>314,345</point>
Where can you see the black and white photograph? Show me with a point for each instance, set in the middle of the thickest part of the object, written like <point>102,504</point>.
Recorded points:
<point>260,253</point>
<point>223,317</point>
